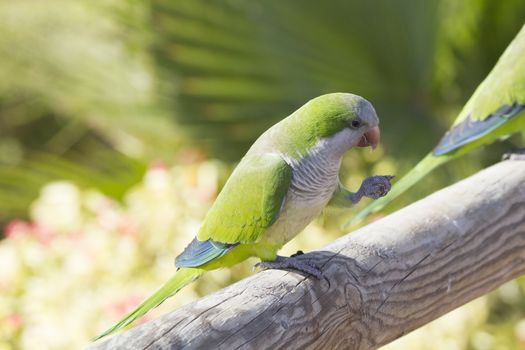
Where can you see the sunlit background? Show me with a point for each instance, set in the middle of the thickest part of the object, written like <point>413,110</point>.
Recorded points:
<point>120,120</point>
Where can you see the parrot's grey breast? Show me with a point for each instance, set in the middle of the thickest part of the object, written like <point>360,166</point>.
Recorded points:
<point>316,174</point>
<point>315,177</point>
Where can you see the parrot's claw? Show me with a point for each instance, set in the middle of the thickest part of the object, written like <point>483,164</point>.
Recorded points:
<point>376,186</point>
<point>284,263</point>
<point>515,154</point>
<point>299,252</point>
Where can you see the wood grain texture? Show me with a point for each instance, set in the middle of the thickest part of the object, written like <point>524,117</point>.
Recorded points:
<point>382,281</point>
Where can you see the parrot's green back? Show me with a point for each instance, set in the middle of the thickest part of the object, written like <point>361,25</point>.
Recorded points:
<point>495,110</point>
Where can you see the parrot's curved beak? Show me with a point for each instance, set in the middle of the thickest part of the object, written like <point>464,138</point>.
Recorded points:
<point>370,138</point>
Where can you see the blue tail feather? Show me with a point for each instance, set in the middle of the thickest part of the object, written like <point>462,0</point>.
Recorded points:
<point>198,253</point>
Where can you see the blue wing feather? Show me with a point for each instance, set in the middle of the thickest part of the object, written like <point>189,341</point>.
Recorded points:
<point>198,253</point>
<point>470,130</point>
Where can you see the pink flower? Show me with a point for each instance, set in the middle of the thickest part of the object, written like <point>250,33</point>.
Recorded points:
<point>17,228</point>
<point>120,308</point>
<point>127,227</point>
<point>14,320</point>
<point>42,233</point>
<point>158,165</point>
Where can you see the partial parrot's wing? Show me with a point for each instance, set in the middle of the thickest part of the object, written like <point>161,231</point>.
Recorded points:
<point>499,98</point>
<point>471,130</point>
<point>491,112</point>
<point>198,253</point>
<point>250,201</point>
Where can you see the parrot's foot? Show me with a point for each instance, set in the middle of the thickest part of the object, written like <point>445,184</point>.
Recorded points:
<point>515,154</point>
<point>282,262</point>
<point>376,186</point>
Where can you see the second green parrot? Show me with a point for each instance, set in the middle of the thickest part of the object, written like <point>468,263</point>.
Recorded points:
<point>496,110</point>
<point>283,182</point>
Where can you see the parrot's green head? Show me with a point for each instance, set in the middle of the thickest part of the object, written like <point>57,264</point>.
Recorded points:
<point>348,120</point>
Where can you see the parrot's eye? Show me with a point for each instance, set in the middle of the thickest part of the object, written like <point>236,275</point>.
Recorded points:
<point>355,123</point>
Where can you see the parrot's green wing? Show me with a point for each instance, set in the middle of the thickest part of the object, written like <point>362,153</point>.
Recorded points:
<point>495,110</point>
<point>499,99</point>
<point>250,201</point>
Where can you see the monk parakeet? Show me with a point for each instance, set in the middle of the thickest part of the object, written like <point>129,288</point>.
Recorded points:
<point>496,110</point>
<point>283,182</point>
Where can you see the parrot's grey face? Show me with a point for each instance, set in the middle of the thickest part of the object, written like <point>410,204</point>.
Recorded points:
<point>362,126</point>
<point>338,121</point>
<point>361,129</point>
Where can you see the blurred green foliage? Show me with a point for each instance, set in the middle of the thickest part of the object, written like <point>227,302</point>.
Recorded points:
<point>144,79</point>
<point>93,91</point>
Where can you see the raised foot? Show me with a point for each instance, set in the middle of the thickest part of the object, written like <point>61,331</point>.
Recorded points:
<point>292,263</point>
<point>376,186</point>
<point>515,154</point>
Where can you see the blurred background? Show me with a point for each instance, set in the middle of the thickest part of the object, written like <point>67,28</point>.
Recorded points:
<point>120,120</point>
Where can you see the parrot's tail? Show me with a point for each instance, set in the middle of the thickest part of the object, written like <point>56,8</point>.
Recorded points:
<point>182,277</point>
<point>425,166</point>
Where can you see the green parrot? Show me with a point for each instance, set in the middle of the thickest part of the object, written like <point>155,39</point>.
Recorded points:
<point>283,182</point>
<point>495,111</point>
